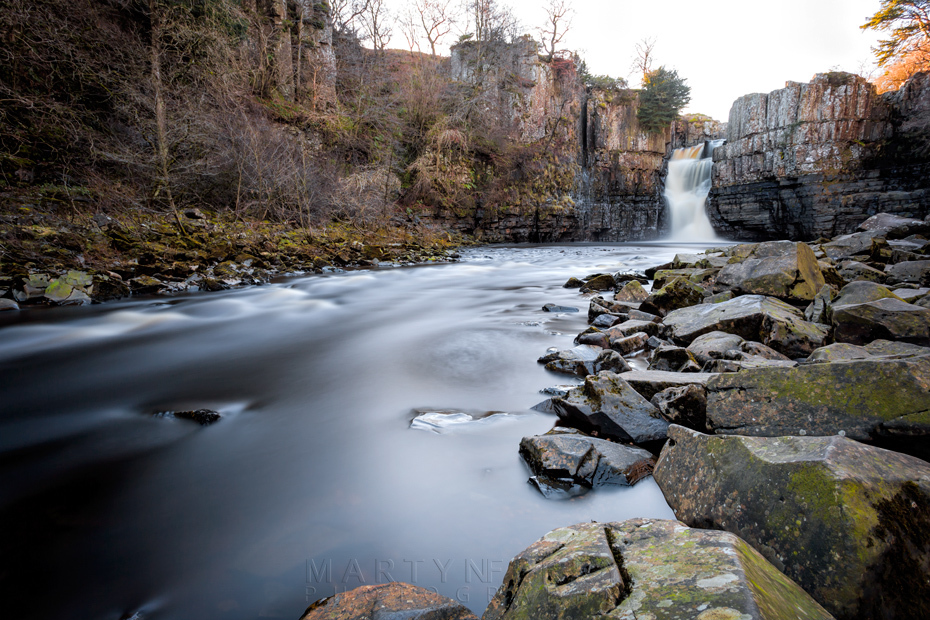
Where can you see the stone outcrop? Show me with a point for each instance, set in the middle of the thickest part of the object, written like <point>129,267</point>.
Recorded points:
<point>816,159</point>
<point>645,568</point>
<point>388,600</point>
<point>848,522</point>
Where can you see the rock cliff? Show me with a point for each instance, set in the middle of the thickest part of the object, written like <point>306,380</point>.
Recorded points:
<point>618,167</point>
<point>817,159</point>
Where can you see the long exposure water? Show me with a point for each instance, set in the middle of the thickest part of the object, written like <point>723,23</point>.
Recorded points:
<point>313,481</point>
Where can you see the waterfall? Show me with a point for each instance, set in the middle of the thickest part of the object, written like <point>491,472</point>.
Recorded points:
<point>686,187</point>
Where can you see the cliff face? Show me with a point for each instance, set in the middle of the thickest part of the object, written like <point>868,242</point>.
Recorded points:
<point>817,159</point>
<point>618,167</point>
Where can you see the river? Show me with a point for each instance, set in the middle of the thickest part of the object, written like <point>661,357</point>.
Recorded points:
<point>313,481</point>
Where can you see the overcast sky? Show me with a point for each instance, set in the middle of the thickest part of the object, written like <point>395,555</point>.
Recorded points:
<point>724,48</point>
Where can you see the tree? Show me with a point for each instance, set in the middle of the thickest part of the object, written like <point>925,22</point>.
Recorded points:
<point>663,96</point>
<point>491,20</point>
<point>642,64</point>
<point>908,24</point>
<point>437,18</point>
<point>559,14</point>
<point>345,12</point>
<point>376,23</point>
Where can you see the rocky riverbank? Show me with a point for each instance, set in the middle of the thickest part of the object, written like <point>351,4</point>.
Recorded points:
<point>787,397</point>
<point>50,256</point>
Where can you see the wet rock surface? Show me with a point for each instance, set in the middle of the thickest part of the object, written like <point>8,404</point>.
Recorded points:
<point>389,601</point>
<point>646,569</point>
<point>608,406</point>
<point>848,522</point>
<point>562,456</point>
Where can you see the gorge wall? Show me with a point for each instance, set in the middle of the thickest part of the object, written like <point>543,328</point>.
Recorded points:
<point>617,167</point>
<point>813,160</point>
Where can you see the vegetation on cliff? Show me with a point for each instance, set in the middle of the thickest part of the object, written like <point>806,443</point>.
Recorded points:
<point>907,48</point>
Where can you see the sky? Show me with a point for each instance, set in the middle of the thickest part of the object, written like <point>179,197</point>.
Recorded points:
<point>724,48</point>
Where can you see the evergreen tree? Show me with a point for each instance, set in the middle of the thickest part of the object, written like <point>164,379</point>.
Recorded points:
<point>664,94</point>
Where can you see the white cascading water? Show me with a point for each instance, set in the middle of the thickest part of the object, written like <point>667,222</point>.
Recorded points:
<point>686,187</point>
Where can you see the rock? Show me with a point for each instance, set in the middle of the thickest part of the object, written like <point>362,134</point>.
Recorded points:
<point>862,292</point>
<point>555,308</point>
<point>203,417</point>
<point>629,344</point>
<point>628,328</point>
<point>650,382</point>
<point>678,293</point>
<point>146,284</point>
<point>584,461</point>
<point>387,601</point>
<point>716,298</point>
<point>847,521</point>
<point>599,305</point>
<point>8,304</point>
<point>667,275</point>
<point>606,320</point>
<point>685,405</point>
<point>64,292</point>
<point>894,226</point>
<point>31,288</point>
<point>841,351</point>
<point>109,288</point>
<point>787,271</point>
<point>854,270</point>
<point>558,390</point>
<point>573,283</point>
<point>647,569</point>
<point>820,309</point>
<point>916,271</point>
<point>632,291</point>
<point>753,317</point>
<point>638,315</point>
<point>714,345</point>
<point>599,282</point>
<point>887,319</point>
<point>911,295</point>
<point>673,359</point>
<point>593,336</point>
<point>584,360</point>
<point>607,406</point>
<point>867,400</point>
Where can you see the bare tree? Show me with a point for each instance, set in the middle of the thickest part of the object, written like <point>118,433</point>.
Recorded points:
<point>346,12</point>
<point>559,14</point>
<point>491,20</point>
<point>645,56</point>
<point>410,28</point>
<point>376,21</point>
<point>437,17</point>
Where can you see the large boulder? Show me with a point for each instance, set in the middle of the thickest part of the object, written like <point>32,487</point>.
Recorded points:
<point>850,523</point>
<point>714,345</point>
<point>648,383</point>
<point>841,351</point>
<point>678,293</point>
<point>914,271</point>
<point>647,569</point>
<point>606,405</point>
<point>585,461</point>
<point>862,292</point>
<point>753,317</point>
<point>876,399</point>
<point>632,291</point>
<point>685,405</point>
<point>778,269</point>
<point>894,226</point>
<point>387,601</point>
<point>887,319</point>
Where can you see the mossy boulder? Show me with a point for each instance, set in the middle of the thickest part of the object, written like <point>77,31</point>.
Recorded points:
<point>585,461</point>
<point>875,399</point>
<point>785,270</point>
<point>887,319</point>
<point>393,600</point>
<point>752,317</point>
<point>677,293</point>
<point>599,282</point>
<point>862,292</point>
<point>609,407</point>
<point>644,568</point>
<point>632,291</point>
<point>648,383</point>
<point>855,270</point>
<point>841,351</point>
<point>850,523</point>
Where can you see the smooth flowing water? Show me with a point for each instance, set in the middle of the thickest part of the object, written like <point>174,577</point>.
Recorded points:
<point>314,481</point>
<point>687,185</point>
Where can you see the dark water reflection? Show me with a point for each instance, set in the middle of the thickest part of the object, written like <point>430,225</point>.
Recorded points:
<point>313,481</point>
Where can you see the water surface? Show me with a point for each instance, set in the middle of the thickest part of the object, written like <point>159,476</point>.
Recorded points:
<point>313,481</point>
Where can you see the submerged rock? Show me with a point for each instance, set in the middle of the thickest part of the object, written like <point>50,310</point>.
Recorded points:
<point>387,601</point>
<point>869,399</point>
<point>753,317</point>
<point>556,308</point>
<point>644,568</point>
<point>848,522</point>
<point>203,417</point>
<point>585,461</point>
<point>609,407</point>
